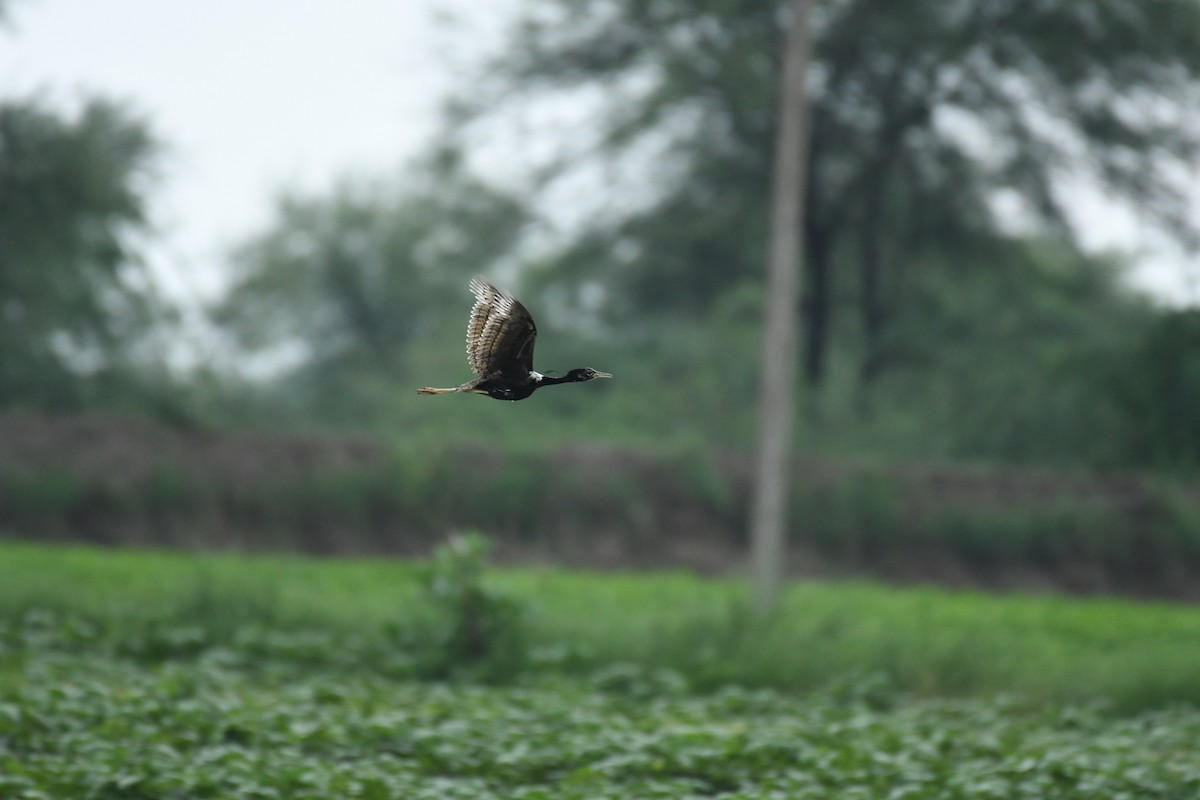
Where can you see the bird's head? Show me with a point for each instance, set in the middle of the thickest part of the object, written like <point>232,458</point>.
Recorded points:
<point>586,374</point>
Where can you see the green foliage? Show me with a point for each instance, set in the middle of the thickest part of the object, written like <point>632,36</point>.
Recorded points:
<point>1156,387</point>
<point>1006,359</point>
<point>473,627</point>
<point>77,305</point>
<point>118,730</point>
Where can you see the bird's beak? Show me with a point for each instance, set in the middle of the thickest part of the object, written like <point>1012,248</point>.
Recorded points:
<point>602,375</point>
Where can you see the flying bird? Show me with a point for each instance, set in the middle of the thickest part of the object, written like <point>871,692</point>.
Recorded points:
<point>500,338</point>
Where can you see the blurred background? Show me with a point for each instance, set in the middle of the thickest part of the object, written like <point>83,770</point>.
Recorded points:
<point>233,242</point>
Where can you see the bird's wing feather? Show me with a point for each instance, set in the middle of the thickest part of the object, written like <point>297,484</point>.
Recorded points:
<point>485,302</point>
<point>500,333</point>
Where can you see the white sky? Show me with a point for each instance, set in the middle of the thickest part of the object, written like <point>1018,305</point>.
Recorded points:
<point>249,96</point>
<point>252,96</point>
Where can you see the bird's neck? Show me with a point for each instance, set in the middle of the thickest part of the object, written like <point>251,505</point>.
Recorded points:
<point>550,380</point>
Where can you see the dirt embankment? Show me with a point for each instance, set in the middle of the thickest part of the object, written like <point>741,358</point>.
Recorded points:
<point>126,481</point>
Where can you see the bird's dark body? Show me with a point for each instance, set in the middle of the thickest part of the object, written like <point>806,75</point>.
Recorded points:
<point>500,339</point>
<point>502,389</point>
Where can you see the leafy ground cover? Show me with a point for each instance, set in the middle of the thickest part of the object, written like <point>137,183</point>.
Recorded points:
<point>79,727</point>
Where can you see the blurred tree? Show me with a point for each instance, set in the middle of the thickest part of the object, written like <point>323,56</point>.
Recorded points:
<point>349,280</point>
<point>924,114</point>
<point>1013,362</point>
<point>75,300</point>
<point>981,333</point>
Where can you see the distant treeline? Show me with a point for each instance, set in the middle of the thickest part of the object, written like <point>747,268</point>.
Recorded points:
<point>120,482</point>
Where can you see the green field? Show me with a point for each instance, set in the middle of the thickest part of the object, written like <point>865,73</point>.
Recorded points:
<point>130,674</point>
<point>80,728</point>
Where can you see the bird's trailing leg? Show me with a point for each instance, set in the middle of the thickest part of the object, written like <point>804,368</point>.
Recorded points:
<point>469,388</point>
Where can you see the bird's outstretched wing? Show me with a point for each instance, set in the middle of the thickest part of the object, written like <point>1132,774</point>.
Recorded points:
<point>500,333</point>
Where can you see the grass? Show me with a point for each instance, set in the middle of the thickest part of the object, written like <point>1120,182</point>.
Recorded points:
<point>920,642</point>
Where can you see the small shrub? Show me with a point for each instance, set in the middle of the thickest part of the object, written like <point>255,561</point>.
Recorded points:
<point>472,628</point>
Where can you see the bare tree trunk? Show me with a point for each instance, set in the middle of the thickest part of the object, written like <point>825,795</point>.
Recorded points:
<point>777,388</point>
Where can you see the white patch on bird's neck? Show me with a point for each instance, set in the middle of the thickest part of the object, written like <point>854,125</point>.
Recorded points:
<point>536,376</point>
